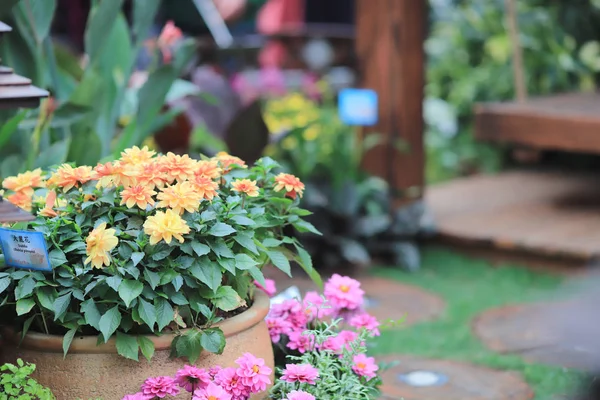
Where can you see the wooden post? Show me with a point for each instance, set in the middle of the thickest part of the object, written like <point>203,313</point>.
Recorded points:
<point>389,42</point>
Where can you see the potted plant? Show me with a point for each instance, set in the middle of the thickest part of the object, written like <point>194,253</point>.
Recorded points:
<point>151,254</point>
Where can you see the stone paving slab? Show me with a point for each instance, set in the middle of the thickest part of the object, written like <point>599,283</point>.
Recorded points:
<point>385,298</point>
<point>462,381</point>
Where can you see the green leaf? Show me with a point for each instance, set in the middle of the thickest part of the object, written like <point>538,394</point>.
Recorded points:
<point>245,240</point>
<point>54,154</point>
<point>228,264</point>
<point>227,299</point>
<point>101,17</point>
<point>4,283</point>
<point>152,278</point>
<point>305,262</point>
<point>213,340</point>
<point>91,314</point>
<point>24,305</point>
<point>241,220</point>
<point>57,258</point>
<point>257,275</point>
<point>114,282</point>
<point>303,226</point>
<point>130,290</point>
<point>46,297</point>
<point>144,12</point>
<point>244,262</point>
<point>221,229</point>
<point>11,126</point>
<point>270,242</point>
<point>109,322</point>
<point>221,249</point>
<point>127,346</point>
<point>39,15</point>
<point>280,261</point>
<point>162,254</point>
<point>61,304</point>
<point>136,258</point>
<point>67,339</point>
<point>147,313</point>
<point>200,249</point>
<point>164,313</point>
<point>207,272</point>
<point>190,345</point>
<point>74,246</point>
<point>24,287</point>
<point>146,346</point>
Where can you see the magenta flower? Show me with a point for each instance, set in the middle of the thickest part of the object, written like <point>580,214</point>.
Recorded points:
<point>213,371</point>
<point>278,327</point>
<point>344,292</point>
<point>229,380</point>
<point>366,321</point>
<point>270,289</point>
<point>316,307</point>
<point>160,387</point>
<point>364,366</point>
<point>333,344</point>
<point>291,311</point>
<point>299,341</point>
<point>136,396</point>
<point>254,373</point>
<point>191,378</point>
<point>303,373</point>
<point>300,395</point>
<point>211,392</point>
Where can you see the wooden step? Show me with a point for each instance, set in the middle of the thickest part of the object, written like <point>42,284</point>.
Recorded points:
<point>21,96</point>
<point>13,80</point>
<point>5,70</point>
<point>4,28</point>
<point>567,122</point>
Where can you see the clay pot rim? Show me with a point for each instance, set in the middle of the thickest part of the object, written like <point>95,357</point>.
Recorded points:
<point>88,344</point>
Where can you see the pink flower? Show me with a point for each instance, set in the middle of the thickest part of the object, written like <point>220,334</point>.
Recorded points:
<point>366,321</point>
<point>278,327</point>
<point>364,366</point>
<point>303,373</point>
<point>344,292</point>
<point>160,387</point>
<point>211,392</point>
<point>301,342</point>
<point>167,39</point>
<point>213,371</point>
<point>333,344</point>
<point>254,373</point>
<point>229,380</point>
<point>291,311</point>
<point>347,337</point>
<point>191,378</point>
<point>137,396</point>
<point>300,395</point>
<point>315,307</point>
<point>270,289</point>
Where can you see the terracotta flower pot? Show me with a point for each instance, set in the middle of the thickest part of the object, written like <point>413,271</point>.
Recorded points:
<point>90,371</point>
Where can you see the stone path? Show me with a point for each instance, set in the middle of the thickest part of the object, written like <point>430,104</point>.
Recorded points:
<point>536,331</point>
<point>449,380</point>
<point>386,299</point>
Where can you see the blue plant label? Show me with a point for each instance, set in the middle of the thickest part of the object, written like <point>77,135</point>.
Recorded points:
<point>358,107</point>
<point>25,249</point>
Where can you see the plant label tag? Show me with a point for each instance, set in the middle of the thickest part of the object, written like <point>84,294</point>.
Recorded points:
<point>25,249</point>
<point>358,107</point>
<point>288,294</point>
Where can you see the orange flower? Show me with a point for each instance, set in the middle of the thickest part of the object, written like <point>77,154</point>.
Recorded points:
<point>178,168</point>
<point>67,177</point>
<point>21,200</point>
<point>152,175</point>
<point>227,161</point>
<point>167,39</point>
<point>24,182</point>
<point>205,187</point>
<point>50,202</point>
<point>165,226</point>
<point>108,174</point>
<point>290,183</point>
<point>245,186</point>
<point>136,156</point>
<point>99,244</point>
<point>208,168</point>
<point>180,197</point>
<point>137,195</point>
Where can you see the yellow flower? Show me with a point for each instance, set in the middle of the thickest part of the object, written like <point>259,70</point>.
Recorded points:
<point>208,168</point>
<point>24,182</point>
<point>227,160</point>
<point>99,244</point>
<point>289,143</point>
<point>292,185</point>
<point>137,195</point>
<point>296,102</point>
<point>205,187</point>
<point>180,197</point>
<point>245,186</point>
<point>21,200</point>
<point>165,226</point>
<point>67,177</point>
<point>135,155</point>
<point>311,133</point>
<point>178,168</point>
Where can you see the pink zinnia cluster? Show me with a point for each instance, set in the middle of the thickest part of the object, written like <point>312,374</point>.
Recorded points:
<point>191,378</point>
<point>160,387</point>
<point>300,395</point>
<point>365,321</point>
<point>344,293</point>
<point>303,373</point>
<point>364,366</point>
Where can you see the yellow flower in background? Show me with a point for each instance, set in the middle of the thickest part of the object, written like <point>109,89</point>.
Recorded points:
<point>135,155</point>
<point>99,244</point>
<point>150,143</point>
<point>178,168</point>
<point>180,197</point>
<point>289,143</point>
<point>227,160</point>
<point>206,187</point>
<point>290,183</point>
<point>21,200</point>
<point>245,186</point>
<point>165,226</point>
<point>208,168</point>
<point>67,177</point>
<point>296,102</point>
<point>137,195</point>
<point>24,182</point>
<point>311,133</point>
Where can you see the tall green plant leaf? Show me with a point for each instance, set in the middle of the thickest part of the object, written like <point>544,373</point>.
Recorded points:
<point>101,17</point>
<point>38,15</point>
<point>6,6</point>
<point>144,12</point>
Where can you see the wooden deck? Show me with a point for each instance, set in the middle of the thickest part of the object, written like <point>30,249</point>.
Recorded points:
<point>551,214</point>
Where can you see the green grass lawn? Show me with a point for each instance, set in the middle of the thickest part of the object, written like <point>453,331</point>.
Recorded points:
<point>470,286</point>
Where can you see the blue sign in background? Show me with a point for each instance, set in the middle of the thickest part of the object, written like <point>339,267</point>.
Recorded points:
<point>25,249</point>
<point>358,107</point>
